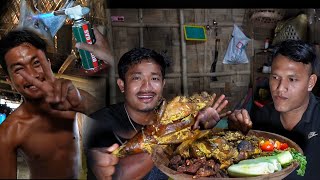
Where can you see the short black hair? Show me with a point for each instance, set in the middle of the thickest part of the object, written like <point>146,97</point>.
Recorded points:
<point>17,37</point>
<point>298,51</point>
<point>136,55</point>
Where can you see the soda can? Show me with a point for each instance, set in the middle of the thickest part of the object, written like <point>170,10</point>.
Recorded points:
<point>83,32</point>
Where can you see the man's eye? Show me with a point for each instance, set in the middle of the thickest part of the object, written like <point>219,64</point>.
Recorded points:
<point>292,79</point>
<point>18,69</point>
<point>275,77</point>
<point>155,78</point>
<point>135,78</point>
<point>36,62</point>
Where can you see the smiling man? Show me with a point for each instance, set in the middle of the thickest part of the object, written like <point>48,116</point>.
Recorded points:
<point>141,80</point>
<point>42,128</point>
<point>295,110</point>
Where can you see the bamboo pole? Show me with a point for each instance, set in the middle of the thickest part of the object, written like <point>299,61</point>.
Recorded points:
<point>218,74</point>
<point>141,28</point>
<point>112,71</point>
<point>184,56</point>
<point>205,47</point>
<point>169,25</point>
<point>10,91</point>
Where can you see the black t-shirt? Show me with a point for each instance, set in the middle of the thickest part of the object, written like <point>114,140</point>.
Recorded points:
<point>305,133</point>
<point>102,130</point>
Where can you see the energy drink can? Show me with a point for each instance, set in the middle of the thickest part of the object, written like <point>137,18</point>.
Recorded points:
<point>82,31</point>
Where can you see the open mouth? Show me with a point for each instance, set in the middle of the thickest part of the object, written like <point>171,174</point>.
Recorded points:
<point>31,87</point>
<point>146,97</point>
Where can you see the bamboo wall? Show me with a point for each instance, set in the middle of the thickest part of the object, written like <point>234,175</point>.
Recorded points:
<point>159,29</point>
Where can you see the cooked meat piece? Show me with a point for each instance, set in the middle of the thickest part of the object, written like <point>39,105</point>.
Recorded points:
<point>193,168</point>
<point>210,163</point>
<point>176,159</point>
<point>206,171</point>
<point>245,145</point>
<point>182,168</point>
<point>242,155</point>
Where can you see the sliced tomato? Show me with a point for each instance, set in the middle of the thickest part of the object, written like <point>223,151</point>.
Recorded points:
<point>267,146</point>
<point>283,146</point>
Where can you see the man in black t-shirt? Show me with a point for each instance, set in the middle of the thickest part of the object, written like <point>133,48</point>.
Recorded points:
<point>295,111</point>
<point>141,80</point>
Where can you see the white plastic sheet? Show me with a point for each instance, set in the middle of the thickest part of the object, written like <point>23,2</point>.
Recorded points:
<point>235,53</point>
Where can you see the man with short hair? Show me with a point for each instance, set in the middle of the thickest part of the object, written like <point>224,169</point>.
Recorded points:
<point>141,80</point>
<point>43,127</point>
<point>295,110</point>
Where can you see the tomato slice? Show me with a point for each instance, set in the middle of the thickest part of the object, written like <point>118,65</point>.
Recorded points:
<point>267,146</point>
<point>283,146</point>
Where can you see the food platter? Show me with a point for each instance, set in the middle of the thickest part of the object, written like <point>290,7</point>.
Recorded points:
<point>162,159</point>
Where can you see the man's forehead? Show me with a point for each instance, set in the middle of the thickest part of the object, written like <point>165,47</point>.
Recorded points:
<point>21,50</point>
<point>27,45</point>
<point>22,46</point>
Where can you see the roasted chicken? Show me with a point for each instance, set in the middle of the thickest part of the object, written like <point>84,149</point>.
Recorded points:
<point>173,125</point>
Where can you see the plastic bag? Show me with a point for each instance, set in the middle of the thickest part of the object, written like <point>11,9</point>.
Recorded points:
<point>236,49</point>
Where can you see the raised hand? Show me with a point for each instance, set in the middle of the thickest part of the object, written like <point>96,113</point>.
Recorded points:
<point>210,116</point>
<point>100,49</point>
<point>60,93</point>
<point>240,120</point>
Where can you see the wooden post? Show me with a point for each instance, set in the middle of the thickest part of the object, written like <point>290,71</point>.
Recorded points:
<point>141,28</point>
<point>183,56</point>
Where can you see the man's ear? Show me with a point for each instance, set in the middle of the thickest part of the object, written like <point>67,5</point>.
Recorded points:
<point>312,82</point>
<point>120,83</point>
<point>8,79</point>
<point>164,82</point>
<point>49,61</point>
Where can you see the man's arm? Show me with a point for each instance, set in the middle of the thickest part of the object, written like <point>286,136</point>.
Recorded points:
<point>8,156</point>
<point>134,166</point>
<point>105,165</point>
<point>89,103</point>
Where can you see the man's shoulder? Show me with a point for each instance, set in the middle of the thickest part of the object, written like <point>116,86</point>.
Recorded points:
<point>108,111</point>
<point>314,105</point>
<point>12,129</point>
<point>12,119</point>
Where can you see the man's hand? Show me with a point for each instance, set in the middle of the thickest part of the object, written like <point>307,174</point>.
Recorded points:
<point>210,116</point>
<point>60,93</point>
<point>240,120</point>
<point>100,49</point>
<point>103,162</point>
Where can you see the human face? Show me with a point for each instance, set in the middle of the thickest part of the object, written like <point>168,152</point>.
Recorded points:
<point>290,84</point>
<point>143,86</point>
<point>24,58</point>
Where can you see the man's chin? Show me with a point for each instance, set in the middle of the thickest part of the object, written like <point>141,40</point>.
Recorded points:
<point>146,109</point>
<point>280,108</point>
<point>33,96</point>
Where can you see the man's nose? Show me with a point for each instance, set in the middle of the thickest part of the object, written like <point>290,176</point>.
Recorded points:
<point>33,72</point>
<point>283,85</point>
<point>146,85</point>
